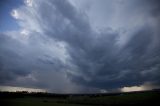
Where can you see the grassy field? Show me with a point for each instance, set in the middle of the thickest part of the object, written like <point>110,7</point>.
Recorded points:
<point>83,100</point>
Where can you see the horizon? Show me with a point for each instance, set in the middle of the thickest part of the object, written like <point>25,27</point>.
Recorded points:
<point>30,90</point>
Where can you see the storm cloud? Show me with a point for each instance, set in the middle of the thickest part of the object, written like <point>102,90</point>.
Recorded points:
<point>82,46</point>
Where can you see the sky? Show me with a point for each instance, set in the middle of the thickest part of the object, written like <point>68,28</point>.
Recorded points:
<point>80,46</point>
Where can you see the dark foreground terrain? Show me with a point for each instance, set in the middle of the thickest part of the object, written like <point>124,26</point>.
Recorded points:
<point>48,99</point>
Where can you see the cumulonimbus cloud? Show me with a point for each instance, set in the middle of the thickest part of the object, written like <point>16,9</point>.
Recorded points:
<point>61,40</point>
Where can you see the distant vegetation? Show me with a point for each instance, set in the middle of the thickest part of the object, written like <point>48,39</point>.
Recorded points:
<point>49,99</point>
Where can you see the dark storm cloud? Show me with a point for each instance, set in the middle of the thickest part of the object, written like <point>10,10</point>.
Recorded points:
<point>67,24</point>
<point>19,60</point>
<point>155,11</point>
<point>86,59</point>
<point>101,65</point>
<point>9,59</point>
<point>108,68</point>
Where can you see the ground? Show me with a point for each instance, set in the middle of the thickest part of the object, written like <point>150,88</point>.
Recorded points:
<point>80,100</point>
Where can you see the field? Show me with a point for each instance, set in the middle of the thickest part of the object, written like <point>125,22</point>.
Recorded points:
<point>41,99</point>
